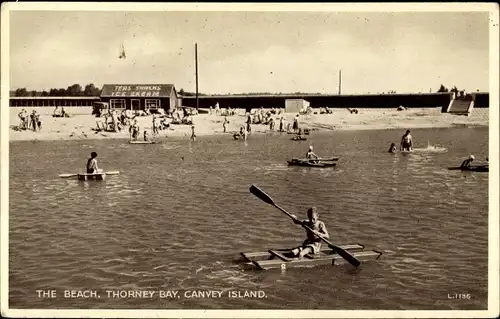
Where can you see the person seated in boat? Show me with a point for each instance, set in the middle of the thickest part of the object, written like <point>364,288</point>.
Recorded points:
<point>392,149</point>
<point>466,163</point>
<point>312,244</point>
<point>406,142</point>
<point>313,158</point>
<point>92,164</point>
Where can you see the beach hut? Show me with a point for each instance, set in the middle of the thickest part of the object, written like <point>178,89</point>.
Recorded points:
<point>295,105</point>
<point>140,97</point>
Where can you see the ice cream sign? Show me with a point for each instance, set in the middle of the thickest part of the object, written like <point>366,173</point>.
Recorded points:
<point>136,90</point>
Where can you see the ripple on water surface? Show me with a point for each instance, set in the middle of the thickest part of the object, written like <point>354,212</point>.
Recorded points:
<point>177,217</point>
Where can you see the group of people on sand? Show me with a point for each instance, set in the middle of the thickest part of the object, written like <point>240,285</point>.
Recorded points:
<point>60,112</point>
<point>31,121</point>
<point>217,110</point>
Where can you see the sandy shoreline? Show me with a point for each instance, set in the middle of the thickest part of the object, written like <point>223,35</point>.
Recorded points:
<point>81,123</point>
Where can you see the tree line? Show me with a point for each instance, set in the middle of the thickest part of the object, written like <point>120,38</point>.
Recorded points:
<point>443,88</point>
<point>73,90</point>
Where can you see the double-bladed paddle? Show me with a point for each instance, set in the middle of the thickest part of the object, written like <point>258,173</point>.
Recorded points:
<point>343,253</point>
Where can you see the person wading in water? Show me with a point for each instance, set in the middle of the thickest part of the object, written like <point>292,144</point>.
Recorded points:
<point>406,142</point>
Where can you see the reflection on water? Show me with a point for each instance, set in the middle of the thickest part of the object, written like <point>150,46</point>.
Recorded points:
<point>179,213</point>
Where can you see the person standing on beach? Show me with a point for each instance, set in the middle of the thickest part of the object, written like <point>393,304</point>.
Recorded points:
<point>249,123</point>
<point>272,123</point>
<point>92,164</point>
<point>224,124</point>
<point>406,142</point>
<point>296,123</point>
<point>135,129</point>
<point>26,119</point>
<point>21,115</point>
<point>33,120</point>
<point>38,122</point>
<point>282,124</point>
<point>155,125</point>
<point>193,134</point>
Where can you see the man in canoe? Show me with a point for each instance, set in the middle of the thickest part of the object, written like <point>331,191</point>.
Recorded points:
<point>466,163</point>
<point>406,142</point>
<point>313,158</point>
<point>312,244</point>
<point>92,164</point>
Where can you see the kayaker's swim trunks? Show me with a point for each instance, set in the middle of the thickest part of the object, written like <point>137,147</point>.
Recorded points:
<point>316,246</point>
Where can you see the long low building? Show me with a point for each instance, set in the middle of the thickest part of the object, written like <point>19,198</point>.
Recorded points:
<point>417,100</point>
<point>60,101</point>
<point>142,99</point>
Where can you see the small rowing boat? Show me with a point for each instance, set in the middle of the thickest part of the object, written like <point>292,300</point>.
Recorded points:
<point>299,138</point>
<point>311,163</point>
<point>305,131</point>
<point>143,142</point>
<point>89,177</point>
<point>478,168</point>
<point>282,259</point>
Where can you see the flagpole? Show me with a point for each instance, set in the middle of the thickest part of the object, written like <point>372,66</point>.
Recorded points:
<point>340,82</point>
<point>196,71</point>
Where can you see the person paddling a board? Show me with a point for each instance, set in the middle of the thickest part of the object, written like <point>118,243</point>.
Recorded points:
<point>92,164</point>
<point>466,163</point>
<point>406,142</point>
<point>313,158</point>
<point>312,244</point>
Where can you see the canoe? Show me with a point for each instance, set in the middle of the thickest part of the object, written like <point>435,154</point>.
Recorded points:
<point>321,159</point>
<point>143,142</point>
<point>305,132</point>
<point>87,177</point>
<point>307,163</point>
<point>281,259</point>
<point>478,168</point>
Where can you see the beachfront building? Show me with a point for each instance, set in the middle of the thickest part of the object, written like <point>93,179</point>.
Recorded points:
<point>59,101</point>
<point>142,97</point>
<point>296,105</point>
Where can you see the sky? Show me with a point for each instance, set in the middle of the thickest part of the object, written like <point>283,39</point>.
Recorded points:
<point>248,51</point>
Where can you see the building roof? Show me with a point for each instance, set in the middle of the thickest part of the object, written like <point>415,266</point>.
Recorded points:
<point>54,97</point>
<point>137,90</point>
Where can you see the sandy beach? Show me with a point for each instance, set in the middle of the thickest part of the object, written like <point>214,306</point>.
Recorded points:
<point>81,124</point>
